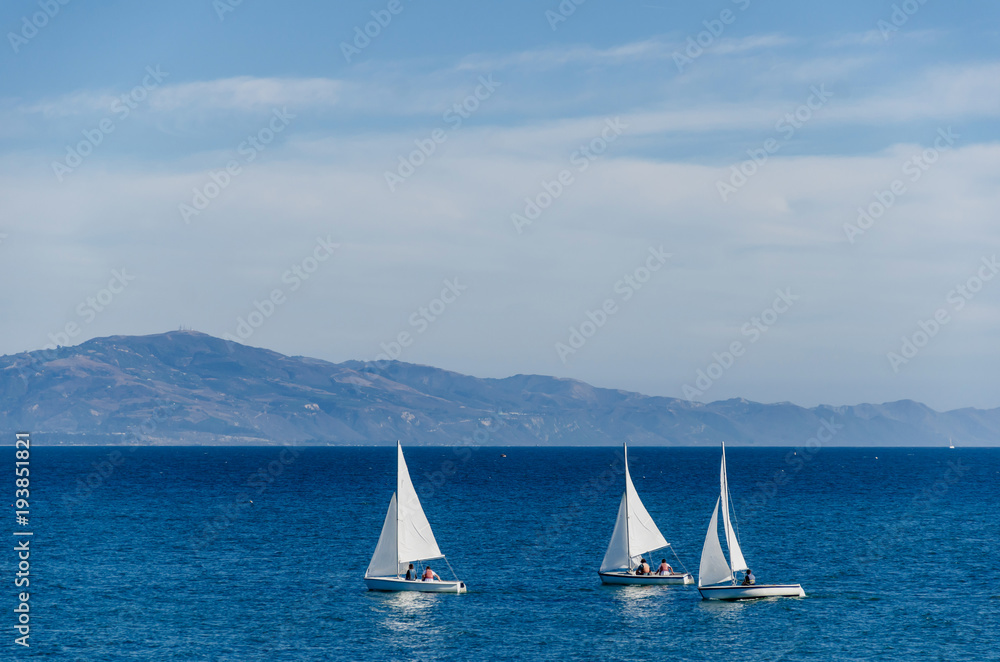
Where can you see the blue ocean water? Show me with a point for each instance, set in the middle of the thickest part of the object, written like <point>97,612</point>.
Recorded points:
<point>164,558</point>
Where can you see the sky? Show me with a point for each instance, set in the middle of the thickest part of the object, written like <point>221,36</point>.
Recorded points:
<point>779,201</point>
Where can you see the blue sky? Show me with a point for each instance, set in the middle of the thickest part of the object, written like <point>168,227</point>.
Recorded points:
<point>838,103</point>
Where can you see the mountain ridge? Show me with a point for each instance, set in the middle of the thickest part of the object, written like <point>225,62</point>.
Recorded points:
<point>186,387</point>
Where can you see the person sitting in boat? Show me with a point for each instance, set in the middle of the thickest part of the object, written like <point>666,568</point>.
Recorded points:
<point>411,574</point>
<point>643,568</point>
<point>664,568</point>
<point>430,574</point>
<point>749,579</point>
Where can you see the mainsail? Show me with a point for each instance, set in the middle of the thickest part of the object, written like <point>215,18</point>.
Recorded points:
<point>416,540</point>
<point>406,534</point>
<point>635,531</point>
<point>737,562</point>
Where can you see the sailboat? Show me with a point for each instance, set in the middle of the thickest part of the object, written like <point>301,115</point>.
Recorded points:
<point>635,535</point>
<point>716,575</point>
<point>406,538</point>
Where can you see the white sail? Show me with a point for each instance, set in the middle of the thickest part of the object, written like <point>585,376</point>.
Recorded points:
<point>643,536</point>
<point>737,562</point>
<point>635,531</point>
<point>384,562</point>
<point>415,540</point>
<point>713,568</point>
<point>617,555</point>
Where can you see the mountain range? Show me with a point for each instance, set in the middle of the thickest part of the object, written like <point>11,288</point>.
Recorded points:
<point>185,387</point>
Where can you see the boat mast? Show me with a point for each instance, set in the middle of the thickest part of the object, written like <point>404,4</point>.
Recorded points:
<point>628,541</point>
<point>399,449</point>
<point>725,519</point>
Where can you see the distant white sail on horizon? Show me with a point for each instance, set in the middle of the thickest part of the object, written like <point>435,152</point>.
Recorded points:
<point>635,532</point>
<point>406,534</point>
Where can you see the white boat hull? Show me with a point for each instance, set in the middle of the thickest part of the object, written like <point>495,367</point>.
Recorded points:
<point>645,580</point>
<point>398,584</point>
<point>751,592</point>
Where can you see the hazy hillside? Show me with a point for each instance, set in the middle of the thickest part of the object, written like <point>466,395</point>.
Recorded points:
<point>187,387</point>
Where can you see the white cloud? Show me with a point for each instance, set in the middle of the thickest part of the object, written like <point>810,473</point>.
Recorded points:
<point>876,38</point>
<point>732,46</point>
<point>76,103</point>
<point>248,93</point>
<point>547,58</point>
<point>243,93</point>
<point>940,93</point>
<point>657,48</point>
